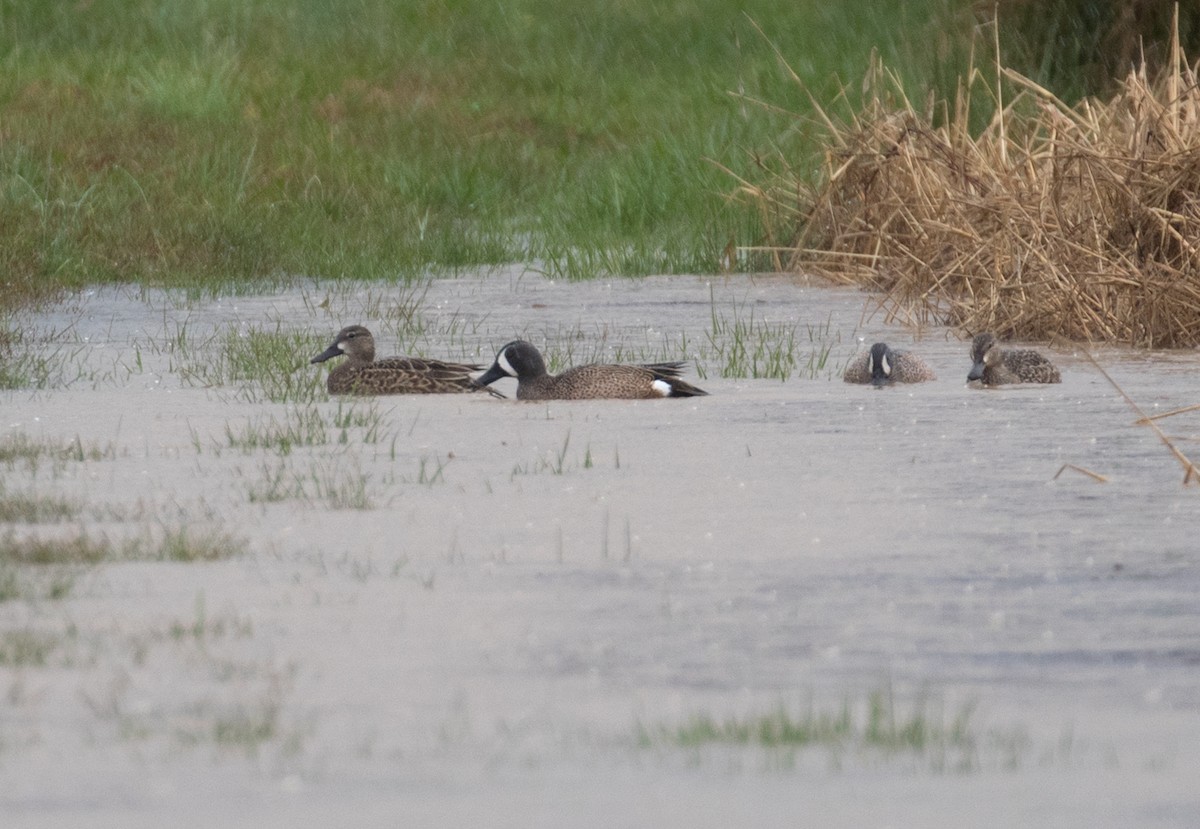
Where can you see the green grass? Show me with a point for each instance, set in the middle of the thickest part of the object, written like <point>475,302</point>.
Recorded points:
<point>24,647</point>
<point>740,346</point>
<point>183,545</point>
<point>738,343</point>
<point>203,628</point>
<point>878,726</point>
<point>260,364</point>
<point>354,421</point>
<point>19,448</point>
<point>555,462</point>
<point>267,363</point>
<point>299,427</point>
<point>33,584</point>
<point>430,471</point>
<point>1084,47</point>
<point>324,481</point>
<point>22,367</point>
<point>80,548</point>
<point>219,143</point>
<point>247,726</point>
<point>35,567</point>
<point>35,509</point>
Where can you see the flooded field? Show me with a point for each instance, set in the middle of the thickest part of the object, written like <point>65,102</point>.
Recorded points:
<point>229,599</point>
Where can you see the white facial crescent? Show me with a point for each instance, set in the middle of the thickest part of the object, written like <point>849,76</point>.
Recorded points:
<point>505,365</point>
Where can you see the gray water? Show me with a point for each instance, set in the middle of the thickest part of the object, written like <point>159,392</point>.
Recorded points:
<point>486,647</point>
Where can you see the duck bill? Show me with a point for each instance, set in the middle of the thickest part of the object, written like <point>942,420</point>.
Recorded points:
<point>976,372</point>
<point>491,375</point>
<point>332,351</point>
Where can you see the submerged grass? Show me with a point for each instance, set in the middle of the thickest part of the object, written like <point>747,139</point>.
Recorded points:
<point>555,461</point>
<point>326,481</point>
<point>26,366</point>
<point>263,364</point>
<point>36,567</point>
<point>196,144</point>
<point>353,421</point>
<point>876,726</point>
<point>27,648</point>
<point>16,507</point>
<point>738,344</point>
<point>18,448</point>
<point>82,548</point>
<point>741,346</point>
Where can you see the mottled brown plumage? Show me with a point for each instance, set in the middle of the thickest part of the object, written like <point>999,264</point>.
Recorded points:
<point>996,366</point>
<point>881,366</point>
<point>362,374</point>
<point>523,361</point>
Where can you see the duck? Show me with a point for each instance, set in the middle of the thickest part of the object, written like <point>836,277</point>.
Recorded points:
<point>996,366</point>
<point>362,374</point>
<point>522,360</point>
<point>882,366</point>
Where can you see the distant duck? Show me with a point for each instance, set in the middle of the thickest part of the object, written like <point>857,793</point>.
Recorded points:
<point>996,366</point>
<point>882,366</point>
<point>363,374</point>
<point>523,361</point>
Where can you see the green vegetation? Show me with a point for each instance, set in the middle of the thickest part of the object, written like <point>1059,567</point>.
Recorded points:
<point>18,447</point>
<point>262,364</point>
<point>299,427</point>
<point>741,346</point>
<point>20,365</point>
<point>34,567</point>
<point>209,144</point>
<point>946,745</point>
<point>34,509</point>
<point>358,421</point>
<point>33,584</point>
<point>181,545</point>
<point>737,344</point>
<point>26,647</point>
<point>325,480</point>
<point>429,471</point>
<point>247,726</point>
<point>81,548</point>
<point>554,462</point>
<point>1085,47</point>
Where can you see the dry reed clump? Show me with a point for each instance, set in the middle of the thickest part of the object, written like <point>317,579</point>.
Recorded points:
<point>1078,222</point>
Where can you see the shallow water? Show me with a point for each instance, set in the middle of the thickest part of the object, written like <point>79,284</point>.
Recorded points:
<point>533,582</point>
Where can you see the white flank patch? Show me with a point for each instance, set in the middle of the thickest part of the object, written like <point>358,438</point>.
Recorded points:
<point>662,387</point>
<point>505,365</point>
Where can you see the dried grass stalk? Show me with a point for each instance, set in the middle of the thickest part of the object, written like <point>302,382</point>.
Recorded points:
<point>1081,222</point>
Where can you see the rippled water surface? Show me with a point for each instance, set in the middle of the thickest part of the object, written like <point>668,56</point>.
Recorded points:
<point>454,610</point>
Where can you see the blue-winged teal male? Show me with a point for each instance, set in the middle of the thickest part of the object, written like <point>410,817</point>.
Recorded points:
<point>881,366</point>
<point>521,360</point>
<point>363,374</point>
<point>995,366</point>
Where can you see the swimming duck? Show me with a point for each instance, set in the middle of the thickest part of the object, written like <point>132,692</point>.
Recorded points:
<point>882,366</point>
<point>362,374</point>
<point>995,366</point>
<point>523,361</point>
